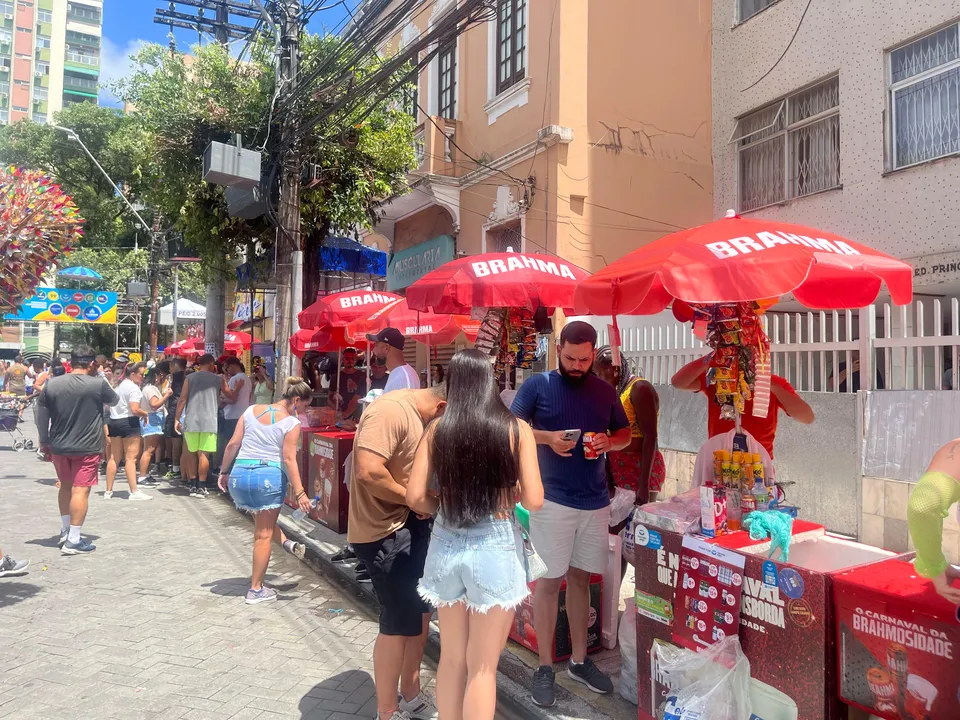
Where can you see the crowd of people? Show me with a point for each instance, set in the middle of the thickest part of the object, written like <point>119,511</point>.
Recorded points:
<point>435,477</point>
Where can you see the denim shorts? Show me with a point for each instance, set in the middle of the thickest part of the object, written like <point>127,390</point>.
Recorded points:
<point>481,566</point>
<point>153,425</point>
<point>257,485</point>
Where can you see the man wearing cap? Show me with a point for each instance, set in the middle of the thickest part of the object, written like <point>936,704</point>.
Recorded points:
<point>388,345</point>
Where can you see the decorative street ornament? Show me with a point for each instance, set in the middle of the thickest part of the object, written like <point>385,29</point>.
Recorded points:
<point>38,225</point>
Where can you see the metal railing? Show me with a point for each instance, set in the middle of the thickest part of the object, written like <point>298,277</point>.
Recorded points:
<point>80,84</point>
<point>83,59</point>
<point>914,347</point>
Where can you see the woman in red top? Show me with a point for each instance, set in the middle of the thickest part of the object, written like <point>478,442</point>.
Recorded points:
<point>692,377</point>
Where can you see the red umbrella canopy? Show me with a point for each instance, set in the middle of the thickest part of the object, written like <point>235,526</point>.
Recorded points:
<point>341,309</point>
<point>741,259</point>
<point>497,280</point>
<point>438,329</point>
<point>323,340</point>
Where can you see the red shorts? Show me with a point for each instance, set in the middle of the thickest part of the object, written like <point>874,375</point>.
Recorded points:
<point>80,470</point>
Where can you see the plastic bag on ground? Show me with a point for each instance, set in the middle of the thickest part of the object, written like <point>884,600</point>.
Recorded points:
<point>627,638</point>
<point>713,684</point>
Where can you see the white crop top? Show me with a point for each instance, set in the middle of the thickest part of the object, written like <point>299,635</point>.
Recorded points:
<point>264,442</point>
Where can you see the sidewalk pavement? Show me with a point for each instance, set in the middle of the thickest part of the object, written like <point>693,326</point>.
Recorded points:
<point>153,623</point>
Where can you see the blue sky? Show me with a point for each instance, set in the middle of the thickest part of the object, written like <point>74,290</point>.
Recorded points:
<point>128,25</point>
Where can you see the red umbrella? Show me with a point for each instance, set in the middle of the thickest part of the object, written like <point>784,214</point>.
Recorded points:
<point>241,338</point>
<point>341,309</point>
<point>323,340</point>
<point>743,259</point>
<point>497,280</point>
<point>437,329</point>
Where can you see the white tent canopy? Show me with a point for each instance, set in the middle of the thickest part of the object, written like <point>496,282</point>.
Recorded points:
<point>187,310</point>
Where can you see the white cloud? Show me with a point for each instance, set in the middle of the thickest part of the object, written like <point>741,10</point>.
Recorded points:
<point>115,65</point>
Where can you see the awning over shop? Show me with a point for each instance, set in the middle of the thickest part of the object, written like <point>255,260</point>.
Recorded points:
<point>345,255</point>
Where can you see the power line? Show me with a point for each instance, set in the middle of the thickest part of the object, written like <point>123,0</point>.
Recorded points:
<point>783,54</point>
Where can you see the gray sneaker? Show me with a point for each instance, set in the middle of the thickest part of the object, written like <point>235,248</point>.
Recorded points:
<point>63,538</point>
<point>397,715</point>
<point>544,689</point>
<point>9,566</point>
<point>81,548</point>
<point>264,594</point>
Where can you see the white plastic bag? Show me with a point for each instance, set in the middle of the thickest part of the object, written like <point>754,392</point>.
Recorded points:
<point>713,684</point>
<point>628,653</point>
<point>621,505</point>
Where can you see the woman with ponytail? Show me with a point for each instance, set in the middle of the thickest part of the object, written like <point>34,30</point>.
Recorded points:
<point>263,455</point>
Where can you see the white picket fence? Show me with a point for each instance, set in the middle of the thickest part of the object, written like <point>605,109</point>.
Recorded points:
<point>912,347</point>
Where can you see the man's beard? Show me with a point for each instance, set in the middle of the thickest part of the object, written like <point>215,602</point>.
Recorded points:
<point>577,379</point>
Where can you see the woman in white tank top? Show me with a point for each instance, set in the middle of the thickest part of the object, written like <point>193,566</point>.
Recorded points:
<point>263,453</point>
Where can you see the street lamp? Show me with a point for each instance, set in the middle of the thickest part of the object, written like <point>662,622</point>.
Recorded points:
<point>154,237</point>
<point>72,135</point>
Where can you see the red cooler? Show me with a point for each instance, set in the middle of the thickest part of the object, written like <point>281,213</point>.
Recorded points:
<point>326,453</point>
<point>897,643</point>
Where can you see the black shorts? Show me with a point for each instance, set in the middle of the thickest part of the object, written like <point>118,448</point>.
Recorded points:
<point>396,565</point>
<point>124,427</point>
<point>170,425</point>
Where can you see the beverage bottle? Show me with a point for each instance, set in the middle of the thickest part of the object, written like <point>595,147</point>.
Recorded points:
<point>758,472</point>
<point>717,467</point>
<point>299,514</point>
<point>761,495</point>
<point>732,486</point>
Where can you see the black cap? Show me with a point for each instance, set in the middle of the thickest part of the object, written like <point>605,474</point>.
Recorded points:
<point>391,336</point>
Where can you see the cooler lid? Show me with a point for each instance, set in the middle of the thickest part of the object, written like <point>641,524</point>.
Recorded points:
<point>895,584</point>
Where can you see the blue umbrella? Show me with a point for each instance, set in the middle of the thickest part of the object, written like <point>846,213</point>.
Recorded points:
<point>82,273</point>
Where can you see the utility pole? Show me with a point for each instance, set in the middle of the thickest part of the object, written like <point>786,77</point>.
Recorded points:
<point>223,30</point>
<point>153,268</point>
<point>289,250</point>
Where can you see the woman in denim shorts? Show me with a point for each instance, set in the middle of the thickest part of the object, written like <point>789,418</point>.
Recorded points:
<point>263,453</point>
<point>480,457</point>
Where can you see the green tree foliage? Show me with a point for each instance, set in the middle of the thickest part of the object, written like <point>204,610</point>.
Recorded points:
<point>183,102</point>
<point>118,267</point>
<point>113,139</point>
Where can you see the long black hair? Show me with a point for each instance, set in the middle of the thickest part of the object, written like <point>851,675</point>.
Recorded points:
<point>604,359</point>
<point>476,443</point>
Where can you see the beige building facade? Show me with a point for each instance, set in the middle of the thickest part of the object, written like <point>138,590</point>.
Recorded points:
<point>855,130</point>
<point>563,127</point>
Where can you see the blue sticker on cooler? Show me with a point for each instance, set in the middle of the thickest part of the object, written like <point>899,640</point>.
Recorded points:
<point>791,584</point>
<point>770,573</point>
<point>655,542</point>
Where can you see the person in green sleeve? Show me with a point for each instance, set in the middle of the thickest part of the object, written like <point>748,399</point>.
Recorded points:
<point>930,501</point>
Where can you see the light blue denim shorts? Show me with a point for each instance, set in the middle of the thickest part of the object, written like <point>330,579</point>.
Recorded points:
<point>481,567</point>
<point>257,485</point>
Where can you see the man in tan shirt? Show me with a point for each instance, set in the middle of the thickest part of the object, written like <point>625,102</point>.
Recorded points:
<point>392,542</point>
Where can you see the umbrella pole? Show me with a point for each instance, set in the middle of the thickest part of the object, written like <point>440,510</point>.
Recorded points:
<point>429,365</point>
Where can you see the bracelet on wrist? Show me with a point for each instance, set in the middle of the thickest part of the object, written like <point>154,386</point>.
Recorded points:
<point>302,492</point>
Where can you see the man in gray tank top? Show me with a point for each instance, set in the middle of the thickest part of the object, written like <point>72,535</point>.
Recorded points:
<point>197,421</point>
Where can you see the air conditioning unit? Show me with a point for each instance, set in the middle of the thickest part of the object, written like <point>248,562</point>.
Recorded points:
<point>8,16</point>
<point>38,74</point>
<point>67,47</point>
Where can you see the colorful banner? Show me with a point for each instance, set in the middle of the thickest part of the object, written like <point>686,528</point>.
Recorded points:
<point>241,306</point>
<point>68,306</point>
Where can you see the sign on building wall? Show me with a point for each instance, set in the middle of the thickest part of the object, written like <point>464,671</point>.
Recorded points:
<point>241,306</point>
<point>69,306</point>
<point>935,269</point>
<point>408,266</point>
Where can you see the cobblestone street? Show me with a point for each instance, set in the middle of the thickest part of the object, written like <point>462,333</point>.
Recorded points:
<point>153,624</point>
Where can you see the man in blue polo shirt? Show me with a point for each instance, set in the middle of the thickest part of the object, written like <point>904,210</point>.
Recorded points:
<point>570,532</point>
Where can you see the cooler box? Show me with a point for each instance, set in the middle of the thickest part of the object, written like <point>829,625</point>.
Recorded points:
<point>524,634</point>
<point>327,452</point>
<point>786,613</point>
<point>898,643</point>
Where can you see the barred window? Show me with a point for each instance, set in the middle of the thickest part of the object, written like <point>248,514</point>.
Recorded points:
<point>790,148</point>
<point>447,85</point>
<point>925,98</point>
<point>511,43</point>
<point>749,8</point>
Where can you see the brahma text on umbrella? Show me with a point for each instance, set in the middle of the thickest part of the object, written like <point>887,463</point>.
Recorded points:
<point>418,330</point>
<point>724,249</point>
<point>485,268</point>
<point>365,299</point>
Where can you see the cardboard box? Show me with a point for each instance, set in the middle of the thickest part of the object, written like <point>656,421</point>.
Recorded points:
<point>524,633</point>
